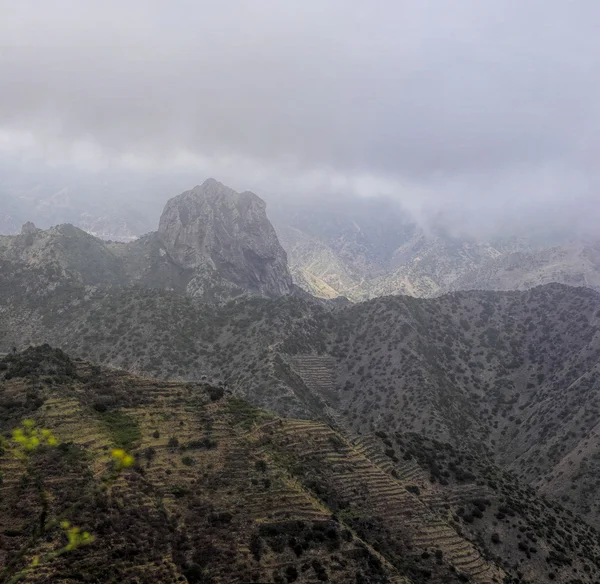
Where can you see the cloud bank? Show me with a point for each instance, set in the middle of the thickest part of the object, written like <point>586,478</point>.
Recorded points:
<point>486,114</point>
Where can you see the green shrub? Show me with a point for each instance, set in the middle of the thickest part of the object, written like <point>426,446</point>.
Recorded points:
<point>123,430</point>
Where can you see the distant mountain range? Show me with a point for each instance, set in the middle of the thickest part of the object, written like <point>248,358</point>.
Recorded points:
<point>105,214</point>
<point>364,248</point>
<point>336,246</point>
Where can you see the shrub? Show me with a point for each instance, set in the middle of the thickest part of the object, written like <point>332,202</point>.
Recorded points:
<point>207,443</point>
<point>291,574</point>
<point>215,393</point>
<point>124,430</point>
<point>179,491</point>
<point>261,465</point>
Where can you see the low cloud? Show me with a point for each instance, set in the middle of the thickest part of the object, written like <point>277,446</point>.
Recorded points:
<point>483,115</point>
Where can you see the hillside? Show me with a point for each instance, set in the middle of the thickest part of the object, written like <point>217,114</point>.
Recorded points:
<point>224,492</point>
<point>512,376</point>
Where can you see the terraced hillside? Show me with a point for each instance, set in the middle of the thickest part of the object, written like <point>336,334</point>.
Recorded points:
<point>203,503</point>
<point>224,492</point>
<point>318,372</point>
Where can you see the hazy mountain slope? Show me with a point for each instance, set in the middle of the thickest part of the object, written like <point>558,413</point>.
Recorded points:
<point>102,215</point>
<point>13,215</point>
<point>428,266</point>
<point>365,248</point>
<point>337,245</point>
<point>575,264</point>
<point>316,267</point>
<point>224,492</point>
<point>110,205</point>
<point>364,233</point>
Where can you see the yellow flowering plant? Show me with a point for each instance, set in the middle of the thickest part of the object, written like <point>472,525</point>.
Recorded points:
<point>24,441</point>
<point>75,536</point>
<point>121,459</point>
<point>29,437</point>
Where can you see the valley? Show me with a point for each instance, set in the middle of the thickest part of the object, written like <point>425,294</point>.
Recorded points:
<point>454,437</point>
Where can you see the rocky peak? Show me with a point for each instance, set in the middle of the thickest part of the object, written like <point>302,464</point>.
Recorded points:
<point>212,227</point>
<point>28,228</point>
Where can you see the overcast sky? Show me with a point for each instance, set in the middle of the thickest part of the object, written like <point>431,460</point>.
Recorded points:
<point>470,108</point>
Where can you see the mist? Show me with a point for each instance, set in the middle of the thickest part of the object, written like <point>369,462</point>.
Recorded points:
<point>481,117</point>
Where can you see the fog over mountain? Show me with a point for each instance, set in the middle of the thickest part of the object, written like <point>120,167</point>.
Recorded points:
<point>478,117</point>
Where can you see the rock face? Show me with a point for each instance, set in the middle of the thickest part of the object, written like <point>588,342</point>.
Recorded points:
<point>214,228</point>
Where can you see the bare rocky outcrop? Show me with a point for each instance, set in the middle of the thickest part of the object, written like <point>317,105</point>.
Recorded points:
<point>212,228</point>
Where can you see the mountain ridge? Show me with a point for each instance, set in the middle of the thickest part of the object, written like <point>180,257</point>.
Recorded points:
<point>363,249</point>
<point>337,246</point>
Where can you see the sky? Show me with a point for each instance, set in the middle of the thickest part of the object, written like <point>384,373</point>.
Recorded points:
<point>483,113</point>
